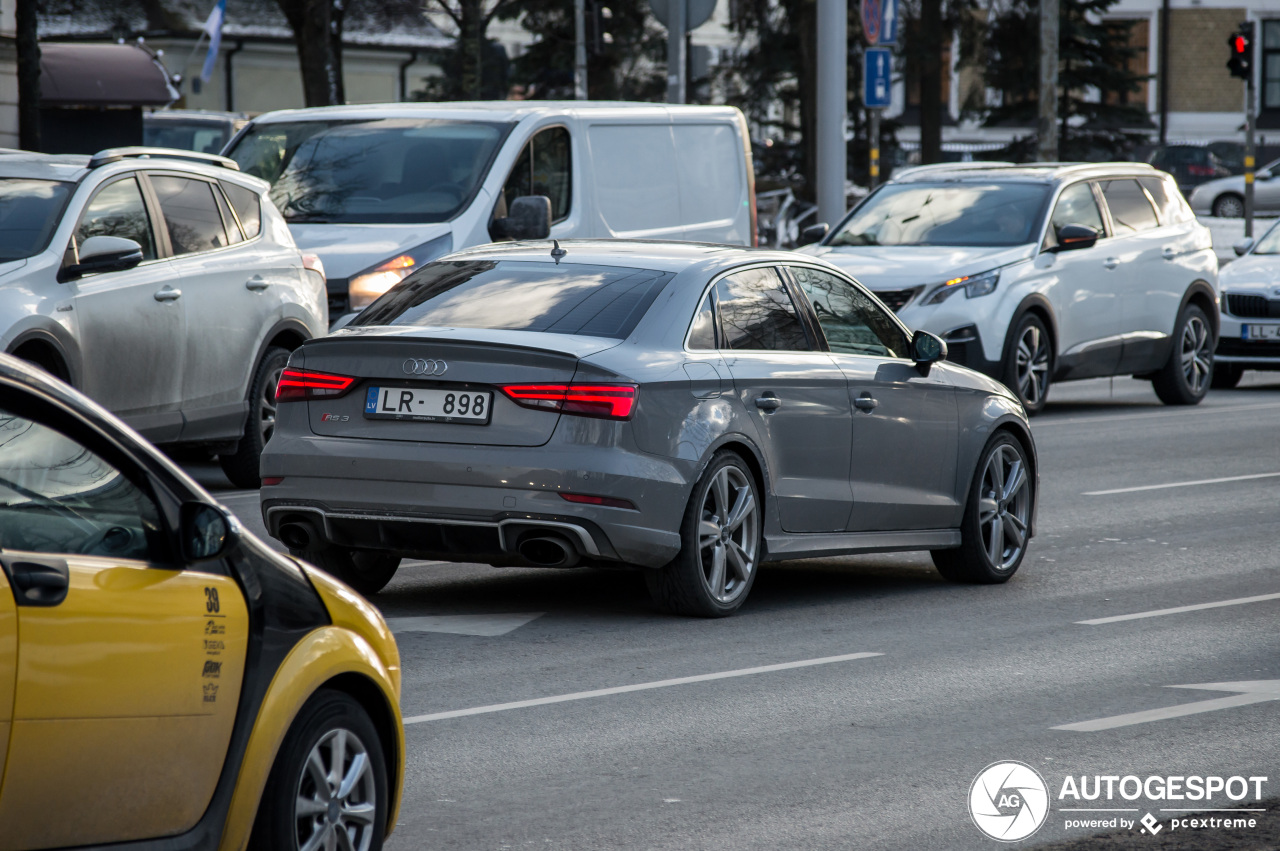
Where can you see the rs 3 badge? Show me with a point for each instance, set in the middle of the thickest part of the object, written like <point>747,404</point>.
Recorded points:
<point>333,418</point>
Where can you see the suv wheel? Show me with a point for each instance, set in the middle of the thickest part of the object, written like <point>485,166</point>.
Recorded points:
<point>1028,362</point>
<point>1185,377</point>
<point>1228,206</point>
<point>367,571</point>
<point>241,466</point>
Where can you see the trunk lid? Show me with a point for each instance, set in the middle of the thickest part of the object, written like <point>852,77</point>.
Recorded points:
<point>474,362</point>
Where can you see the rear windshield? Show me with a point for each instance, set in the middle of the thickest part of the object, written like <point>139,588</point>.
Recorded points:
<point>389,170</point>
<point>595,301</point>
<point>29,211</point>
<point>959,213</point>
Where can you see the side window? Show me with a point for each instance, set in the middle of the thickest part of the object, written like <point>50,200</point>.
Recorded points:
<point>1169,203</point>
<point>117,210</point>
<point>702,333</point>
<point>1130,210</point>
<point>1076,206</point>
<point>248,208</point>
<point>852,323</point>
<point>228,218</point>
<point>544,167</point>
<point>56,496</point>
<point>756,313</point>
<point>190,213</point>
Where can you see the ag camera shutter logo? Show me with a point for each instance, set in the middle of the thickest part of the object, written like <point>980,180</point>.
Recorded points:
<point>1008,801</point>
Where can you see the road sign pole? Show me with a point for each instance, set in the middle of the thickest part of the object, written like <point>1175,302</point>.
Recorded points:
<point>873,134</point>
<point>677,65</point>
<point>580,50</point>
<point>832,100</point>
<point>1249,154</point>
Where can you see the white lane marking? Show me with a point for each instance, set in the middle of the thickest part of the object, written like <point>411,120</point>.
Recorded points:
<point>1255,691</point>
<point>605,692</point>
<point>1182,484</point>
<point>484,625</point>
<point>1177,610</point>
<point>1156,412</point>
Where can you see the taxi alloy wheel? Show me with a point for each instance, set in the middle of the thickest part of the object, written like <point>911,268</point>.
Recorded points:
<point>328,787</point>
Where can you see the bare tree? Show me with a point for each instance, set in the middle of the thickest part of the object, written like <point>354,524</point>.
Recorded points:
<point>470,20</point>
<point>317,30</point>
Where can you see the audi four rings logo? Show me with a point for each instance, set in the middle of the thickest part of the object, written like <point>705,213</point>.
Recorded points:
<point>424,366</point>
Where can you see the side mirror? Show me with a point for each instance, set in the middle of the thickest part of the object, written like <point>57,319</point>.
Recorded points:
<point>528,218</point>
<point>1241,247</point>
<point>927,349</point>
<point>1073,237</point>
<point>813,233</point>
<point>206,532</point>
<point>1264,174</point>
<point>104,254</point>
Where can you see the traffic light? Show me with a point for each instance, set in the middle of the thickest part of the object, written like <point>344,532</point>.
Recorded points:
<point>1241,43</point>
<point>599,26</point>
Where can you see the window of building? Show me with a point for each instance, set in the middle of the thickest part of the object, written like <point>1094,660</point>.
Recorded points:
<point>1271,64</point>
<point>1135,35</point>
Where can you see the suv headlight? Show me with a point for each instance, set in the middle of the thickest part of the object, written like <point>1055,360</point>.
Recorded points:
<point>973,286</point>
<point>365,287</point>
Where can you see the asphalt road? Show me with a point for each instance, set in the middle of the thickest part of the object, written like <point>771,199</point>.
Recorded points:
<point>877,751</point>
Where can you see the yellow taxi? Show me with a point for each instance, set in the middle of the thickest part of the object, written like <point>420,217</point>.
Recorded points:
<point>167,681</point>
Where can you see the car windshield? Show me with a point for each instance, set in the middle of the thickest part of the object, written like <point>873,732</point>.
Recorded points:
<point>976,214</point>
<point>29,211</point>
<point>208,137</point>
<point>1270,242</point>
<point>389,170</point>
<point>595,301</point>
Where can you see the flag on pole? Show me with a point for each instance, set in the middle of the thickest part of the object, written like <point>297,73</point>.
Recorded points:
<point>213,29</point>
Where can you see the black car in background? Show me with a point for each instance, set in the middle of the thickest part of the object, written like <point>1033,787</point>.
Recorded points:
<point>1192,164</point>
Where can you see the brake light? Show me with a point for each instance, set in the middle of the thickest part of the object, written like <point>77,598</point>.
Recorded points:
<point>606,401</point>
<point>1201,170</point>
<point>588,499</point>
<point>297,385</point>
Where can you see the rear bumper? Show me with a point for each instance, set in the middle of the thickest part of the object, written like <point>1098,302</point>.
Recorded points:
<point>476,503</point>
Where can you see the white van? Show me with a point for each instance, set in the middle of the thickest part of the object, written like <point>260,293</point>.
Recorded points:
<point>378,190</point>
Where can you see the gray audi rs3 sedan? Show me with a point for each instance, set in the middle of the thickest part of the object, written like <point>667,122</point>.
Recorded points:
<point>691,410</point>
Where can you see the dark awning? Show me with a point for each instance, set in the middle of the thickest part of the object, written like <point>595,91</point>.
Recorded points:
<point>74,74</point>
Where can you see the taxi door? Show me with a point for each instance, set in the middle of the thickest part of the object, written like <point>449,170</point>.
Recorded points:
<point>128,667</point>
<point>8,662</point>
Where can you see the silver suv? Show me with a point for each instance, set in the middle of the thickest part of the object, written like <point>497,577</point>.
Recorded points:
<point>163,284</point>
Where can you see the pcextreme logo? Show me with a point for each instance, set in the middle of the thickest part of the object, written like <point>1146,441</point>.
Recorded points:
<point>1008,801</point>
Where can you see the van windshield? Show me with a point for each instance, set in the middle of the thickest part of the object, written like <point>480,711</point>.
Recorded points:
<point>956,213</point>
<point>386,170</point>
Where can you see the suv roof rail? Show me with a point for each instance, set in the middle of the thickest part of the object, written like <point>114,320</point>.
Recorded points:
<point>917,169</point>
<point>113,155</point>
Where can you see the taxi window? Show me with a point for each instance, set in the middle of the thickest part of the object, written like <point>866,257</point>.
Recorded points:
<point>58,497</point>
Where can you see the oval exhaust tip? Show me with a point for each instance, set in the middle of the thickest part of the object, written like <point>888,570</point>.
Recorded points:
<point>548,551</point>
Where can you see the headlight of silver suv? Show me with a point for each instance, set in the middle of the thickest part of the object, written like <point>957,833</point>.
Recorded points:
<point>973,286</point>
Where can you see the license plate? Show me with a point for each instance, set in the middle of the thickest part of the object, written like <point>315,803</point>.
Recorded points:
<point>1261,332</point>
<point>428,405</point>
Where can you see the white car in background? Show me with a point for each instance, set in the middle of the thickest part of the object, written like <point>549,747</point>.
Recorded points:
<point>1043,272</point>
<point>1250,286</point>
<point>162,284</point>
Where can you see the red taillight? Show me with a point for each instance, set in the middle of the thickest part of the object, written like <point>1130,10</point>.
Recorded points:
<point>587,499</point>
<point>297,385</point>
<point>1201,170</point>
<point>272,480</point>
<point>607,401</point>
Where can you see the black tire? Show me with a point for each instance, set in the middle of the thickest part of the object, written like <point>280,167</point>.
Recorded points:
<point>1228,206</point>
<point>1028,362</point>
<point>328,714</point>
<point>685,585</point>
<point>241,466</point>
<point>972,561</point>
<point>367,571</point>
<point>1185,377</point>
<point>1226,375</point>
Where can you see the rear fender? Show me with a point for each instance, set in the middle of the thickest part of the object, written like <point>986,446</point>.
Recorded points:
<point>321,656</point>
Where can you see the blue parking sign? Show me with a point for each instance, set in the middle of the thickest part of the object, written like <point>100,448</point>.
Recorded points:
<point>877,69</point>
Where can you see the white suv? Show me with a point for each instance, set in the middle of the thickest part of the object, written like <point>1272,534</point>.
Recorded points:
<point>163,284</point>
<point>1044,272</point>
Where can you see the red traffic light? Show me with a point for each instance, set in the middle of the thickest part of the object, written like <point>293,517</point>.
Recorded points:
<point>1239,43</point>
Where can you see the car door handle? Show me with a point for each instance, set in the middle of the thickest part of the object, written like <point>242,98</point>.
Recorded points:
<point>257,283</point>
<point>865,402</point>
<point>1168,252</point>
<point>1111,263</point>
<point>42,582</point>
<point>768,402</point>
<point>168,294</point>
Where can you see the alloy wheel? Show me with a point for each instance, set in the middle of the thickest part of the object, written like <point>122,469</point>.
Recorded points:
<point>1197,354</point>
<point>1004,507</point>
<point>267,416</point>
<point>728,534</point>
<point>1032,365</point>
<point>1229,207</point>
<point>337,796</point>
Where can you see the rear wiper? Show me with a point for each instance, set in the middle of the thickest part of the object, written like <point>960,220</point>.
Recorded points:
<point>308,218</point>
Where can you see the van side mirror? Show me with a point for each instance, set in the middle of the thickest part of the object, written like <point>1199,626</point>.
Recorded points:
<point>528,218</point>
<point>927,349</point>
<point>1073,237</point>
<point>103,254</point>
<point>1241,247</point>
<point>206,531</point>
<point>813,233</point>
